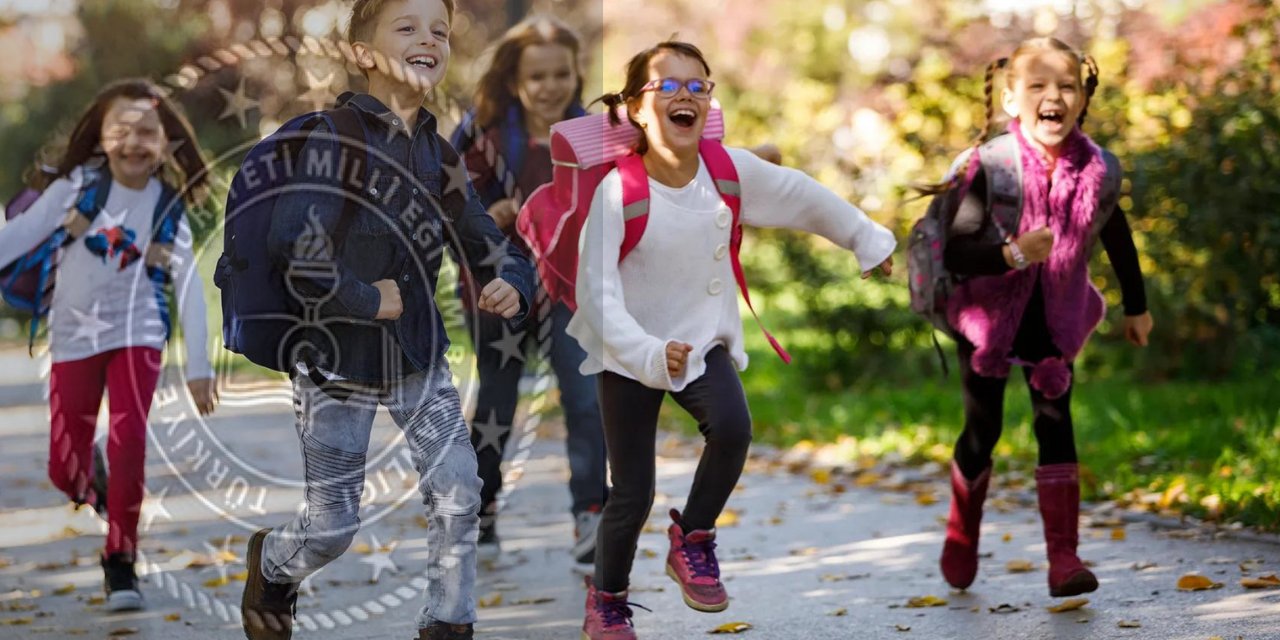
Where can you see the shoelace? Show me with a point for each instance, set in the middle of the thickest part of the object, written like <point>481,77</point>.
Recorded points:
<point>618,612</point>
<point>701,559</point>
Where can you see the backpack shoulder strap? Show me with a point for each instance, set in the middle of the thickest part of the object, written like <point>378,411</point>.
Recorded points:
<point>95,188</point>
<point>635,200</point>
<point>170,210</point>
<point>350,129</point>
<point>725,176</point>
<point>1111,185</point>
<point>1003,168</point>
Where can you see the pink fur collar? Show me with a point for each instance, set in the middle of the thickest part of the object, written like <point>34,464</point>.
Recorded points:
<point>988,310</point>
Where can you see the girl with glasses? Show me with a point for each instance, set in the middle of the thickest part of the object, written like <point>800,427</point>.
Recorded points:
<point>665,320</point>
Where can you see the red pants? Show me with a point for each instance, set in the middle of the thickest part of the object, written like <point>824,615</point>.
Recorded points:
<point>75,393</point>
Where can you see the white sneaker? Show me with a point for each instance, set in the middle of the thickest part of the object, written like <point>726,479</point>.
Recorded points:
<point>585,527</point>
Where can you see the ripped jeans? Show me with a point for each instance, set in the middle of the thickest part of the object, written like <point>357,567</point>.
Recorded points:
<point>335,440</point>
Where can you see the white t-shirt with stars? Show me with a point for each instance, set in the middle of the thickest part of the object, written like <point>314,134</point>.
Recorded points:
<point>103,299</point>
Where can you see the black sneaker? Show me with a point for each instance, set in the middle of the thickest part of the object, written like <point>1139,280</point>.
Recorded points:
<point>267,608</point>
<point>120,581</point>
<point>446,631</point>
<point>99,482</point>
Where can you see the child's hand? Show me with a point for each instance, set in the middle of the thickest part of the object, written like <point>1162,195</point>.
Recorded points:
<point>391,306</point>
<point>885,267</point>
<point>205,393</point>
<point>504,212</point>
<point>500,298</point>
<point>677,357</point>
<point>1137,328</point>
<point>1036,245</point>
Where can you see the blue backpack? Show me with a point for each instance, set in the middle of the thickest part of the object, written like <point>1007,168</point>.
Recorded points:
<point>27,283</point>
<point>261,318</point>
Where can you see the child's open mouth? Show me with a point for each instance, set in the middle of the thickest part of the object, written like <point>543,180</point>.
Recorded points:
<point>423,61</point>
<point>684,118</point>
<point>1055,116</point>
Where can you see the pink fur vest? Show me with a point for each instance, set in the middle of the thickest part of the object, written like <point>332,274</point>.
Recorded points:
<point>987,310</point>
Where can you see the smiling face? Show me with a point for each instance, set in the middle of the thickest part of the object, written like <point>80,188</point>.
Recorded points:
<point>413,34</point>
<point>545,81</point>
<point>1045,95</point>
<point>134,140</point>
<point>673,123</point>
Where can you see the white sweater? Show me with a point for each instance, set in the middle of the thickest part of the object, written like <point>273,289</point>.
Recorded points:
<point>97,306</point>
<point>677,283</point>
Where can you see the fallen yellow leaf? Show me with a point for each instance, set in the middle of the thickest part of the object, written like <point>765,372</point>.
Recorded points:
<point>64,590</point>
<point>1118,534</point>
<point>1193,582</point>
<point>649,553</point>
<point>125,631</point>
<point>173,617</point>
<point>363,549</point>
<point>821,476</point>
<point>491,600</point>
<point>901,627</point>
<point>729,518</point>
<point>1262,582</point>
<point>775,520</point>
<point>839,612</point>
<point>1019,566</point>
<point>1129,624</point>
<point>926,498</point>
<point>1007,537</point>
<point>96,600</point>
<point>13,622</point>
<point>926,601</point>
<point>214,583</point>
<point>731,627</point>
<point>867,479</point>
<point>1069,605</point>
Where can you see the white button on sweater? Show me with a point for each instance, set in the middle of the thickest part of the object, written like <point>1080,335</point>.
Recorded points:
<point>629,311</point>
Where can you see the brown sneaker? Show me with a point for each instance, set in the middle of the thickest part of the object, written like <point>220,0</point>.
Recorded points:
<point>267,609</point>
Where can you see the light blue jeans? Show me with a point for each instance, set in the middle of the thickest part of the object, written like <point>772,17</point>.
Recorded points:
<point>335,440</point>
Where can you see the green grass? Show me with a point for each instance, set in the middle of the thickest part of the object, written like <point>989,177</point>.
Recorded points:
<point>1213,448</point>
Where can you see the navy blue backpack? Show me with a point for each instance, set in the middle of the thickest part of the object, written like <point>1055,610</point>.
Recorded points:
<point>27,283</point>
<point>261,318</point>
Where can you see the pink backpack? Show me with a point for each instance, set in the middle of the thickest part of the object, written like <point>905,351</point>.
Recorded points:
<point>583,151</point>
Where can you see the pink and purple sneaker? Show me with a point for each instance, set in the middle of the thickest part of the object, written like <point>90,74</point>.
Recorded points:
<point>692,564</point>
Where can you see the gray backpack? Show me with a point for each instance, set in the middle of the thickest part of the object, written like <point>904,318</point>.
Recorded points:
<point>928,279</point>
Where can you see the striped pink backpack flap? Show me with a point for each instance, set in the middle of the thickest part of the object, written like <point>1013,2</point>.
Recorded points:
<point>583,151</point>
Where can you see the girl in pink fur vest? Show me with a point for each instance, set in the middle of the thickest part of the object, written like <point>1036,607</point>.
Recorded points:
<point>1025,298</point>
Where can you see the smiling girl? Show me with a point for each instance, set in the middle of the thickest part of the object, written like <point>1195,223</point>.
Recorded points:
<point>1026,299</point>
<point>665,319</point>
<point>109,318</point>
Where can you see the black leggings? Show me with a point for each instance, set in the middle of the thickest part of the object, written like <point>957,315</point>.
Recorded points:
<point>630,409</point>
<point>984,401</point>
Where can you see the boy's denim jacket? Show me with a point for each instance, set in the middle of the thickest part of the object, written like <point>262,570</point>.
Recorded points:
<point>396,233</point>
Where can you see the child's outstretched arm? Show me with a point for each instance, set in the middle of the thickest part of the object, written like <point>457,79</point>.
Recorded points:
<point>507,274</point>
<point>24,232</point>
<point>1117,239</point>
<point>189,290</point>
<point>774,196</point>
<point>602,307</point>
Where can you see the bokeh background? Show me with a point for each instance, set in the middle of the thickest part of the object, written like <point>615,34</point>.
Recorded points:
<point>870,97</point>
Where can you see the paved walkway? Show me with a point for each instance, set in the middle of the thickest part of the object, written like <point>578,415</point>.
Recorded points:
<point>808,558</point>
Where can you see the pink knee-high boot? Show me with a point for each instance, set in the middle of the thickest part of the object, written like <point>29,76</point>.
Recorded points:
<point>960,551</point>
<point>1058,486</point>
